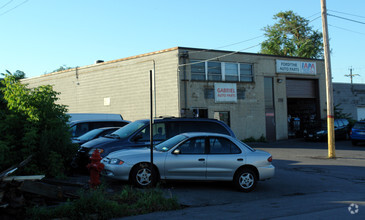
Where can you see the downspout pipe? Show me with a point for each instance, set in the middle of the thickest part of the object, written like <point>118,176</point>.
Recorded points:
<point>184,55</point>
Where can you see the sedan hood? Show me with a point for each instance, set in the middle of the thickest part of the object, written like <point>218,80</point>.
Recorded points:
<point>99,142</point>
<point>130,152</point>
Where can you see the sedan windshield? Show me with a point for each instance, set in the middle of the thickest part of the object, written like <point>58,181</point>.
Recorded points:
<point>170,143</point>
<point>127,130</point>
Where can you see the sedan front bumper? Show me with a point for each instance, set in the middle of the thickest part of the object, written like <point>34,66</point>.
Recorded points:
<point>119,172</point>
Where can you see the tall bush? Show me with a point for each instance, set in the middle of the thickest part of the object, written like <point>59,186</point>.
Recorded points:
<point>34,124</point>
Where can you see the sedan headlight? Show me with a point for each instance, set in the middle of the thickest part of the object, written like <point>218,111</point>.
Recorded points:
<point>116,161</point>
<point>321,132</point>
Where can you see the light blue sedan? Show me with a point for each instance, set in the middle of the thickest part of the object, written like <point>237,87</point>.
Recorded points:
<point>192,156</point>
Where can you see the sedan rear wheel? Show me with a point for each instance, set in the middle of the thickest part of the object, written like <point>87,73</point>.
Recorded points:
<point>142,176</point>
<point>245,180</point>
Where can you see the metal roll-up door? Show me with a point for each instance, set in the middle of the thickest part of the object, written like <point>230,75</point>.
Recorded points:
<point>301,88</point>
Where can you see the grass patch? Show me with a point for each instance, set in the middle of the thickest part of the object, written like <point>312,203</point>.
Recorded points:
<point>98,204</point>
<point>252,139</point>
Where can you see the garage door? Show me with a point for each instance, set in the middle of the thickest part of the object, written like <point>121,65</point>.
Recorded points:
<point>301,88</point>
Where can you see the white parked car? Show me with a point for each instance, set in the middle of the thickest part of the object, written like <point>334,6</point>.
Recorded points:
<point>192,156</point>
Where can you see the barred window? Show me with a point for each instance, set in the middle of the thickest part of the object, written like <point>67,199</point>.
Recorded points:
<point>214,71</point>
<point>197,70</point>
<point>231,71</point>
<point>246,72</point>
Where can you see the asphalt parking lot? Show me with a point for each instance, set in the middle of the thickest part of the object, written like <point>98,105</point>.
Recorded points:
<point>306,185</point>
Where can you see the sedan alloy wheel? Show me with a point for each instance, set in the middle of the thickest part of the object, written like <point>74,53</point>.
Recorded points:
<point>142,175</point>
<point>245,180</point>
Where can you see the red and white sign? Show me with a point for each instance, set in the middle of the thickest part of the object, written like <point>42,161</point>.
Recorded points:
<point>225,92</point>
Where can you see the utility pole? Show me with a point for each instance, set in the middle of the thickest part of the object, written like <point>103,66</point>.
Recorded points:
<point>351,76</point>
<point>329,89</point>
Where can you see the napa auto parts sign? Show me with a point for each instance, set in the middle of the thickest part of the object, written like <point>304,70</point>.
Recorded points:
<point>285,66</point>
<point>225,92</point>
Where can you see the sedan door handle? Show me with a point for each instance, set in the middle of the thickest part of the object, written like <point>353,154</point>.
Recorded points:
<point>201,159</point>
<point>239,159</point>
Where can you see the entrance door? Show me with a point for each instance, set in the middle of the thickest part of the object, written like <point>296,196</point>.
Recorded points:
<point>269,110</point>
<point>303,106</point>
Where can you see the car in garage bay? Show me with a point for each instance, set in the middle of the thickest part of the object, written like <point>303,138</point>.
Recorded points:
<point>194,156</point>
<point>357,133</point>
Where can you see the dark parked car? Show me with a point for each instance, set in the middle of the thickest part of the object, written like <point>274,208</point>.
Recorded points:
<point>137,134</point>
<point>357,133</point>
<point>80,127</point>
<point>318,131</point>
<point>95,133</point>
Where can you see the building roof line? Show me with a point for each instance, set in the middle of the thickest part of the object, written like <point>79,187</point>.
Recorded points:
<point>167,50</point>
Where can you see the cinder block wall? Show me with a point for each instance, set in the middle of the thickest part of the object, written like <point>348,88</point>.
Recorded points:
<point>119,86</point>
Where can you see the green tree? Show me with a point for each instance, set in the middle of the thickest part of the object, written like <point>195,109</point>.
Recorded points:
<point>18,75</point>
<point>61,68</point>
<point>292,36</point>
<point>34,125</point>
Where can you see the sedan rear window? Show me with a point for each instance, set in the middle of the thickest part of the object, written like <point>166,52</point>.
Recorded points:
<point>222,146</point>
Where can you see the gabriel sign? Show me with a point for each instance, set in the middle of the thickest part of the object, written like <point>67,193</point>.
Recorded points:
<point>225,92</point>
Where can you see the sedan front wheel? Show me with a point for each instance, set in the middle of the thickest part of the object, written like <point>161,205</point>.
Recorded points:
<point>245,180</point>
<point>142,176</point>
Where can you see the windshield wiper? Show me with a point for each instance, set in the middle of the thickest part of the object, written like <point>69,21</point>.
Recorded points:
<point>112,136</point>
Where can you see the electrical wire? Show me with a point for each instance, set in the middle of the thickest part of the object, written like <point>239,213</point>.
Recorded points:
<point>6,4</point>
<point>346,29</point>
<point>347,13</point>
<point>346,19</point>
<point>235,52</point>
<point>13,8</point>
<point>254,38</point>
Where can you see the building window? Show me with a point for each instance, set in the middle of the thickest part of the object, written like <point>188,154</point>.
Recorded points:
<point>200,113</point>
<point>208,93</point>
<point>221,71</point>
<point>246,72</point>
<point>231,71</point>
<point>241,94</point>
<point>197,70</point>
<point>214,71</point>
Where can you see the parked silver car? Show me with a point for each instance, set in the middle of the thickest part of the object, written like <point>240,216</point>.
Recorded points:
<point>192,156</point>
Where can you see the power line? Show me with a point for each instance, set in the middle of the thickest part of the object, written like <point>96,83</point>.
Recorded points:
<point>346,19</point>
<point>13,8</point>
<point>6,4</point>
<point>194,52</point>
<point>238,51</point>
<point>346,29</point>
<point>347,14</point>
<point>228,45</point>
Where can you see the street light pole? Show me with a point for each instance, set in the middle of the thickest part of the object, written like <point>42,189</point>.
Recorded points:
<point>329,89</point>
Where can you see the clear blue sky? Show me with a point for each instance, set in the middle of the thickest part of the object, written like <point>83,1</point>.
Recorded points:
<point>38,36</point>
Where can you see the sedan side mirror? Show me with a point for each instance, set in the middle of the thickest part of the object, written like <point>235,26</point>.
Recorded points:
<point>137,137</point>
<point>176,151</point>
